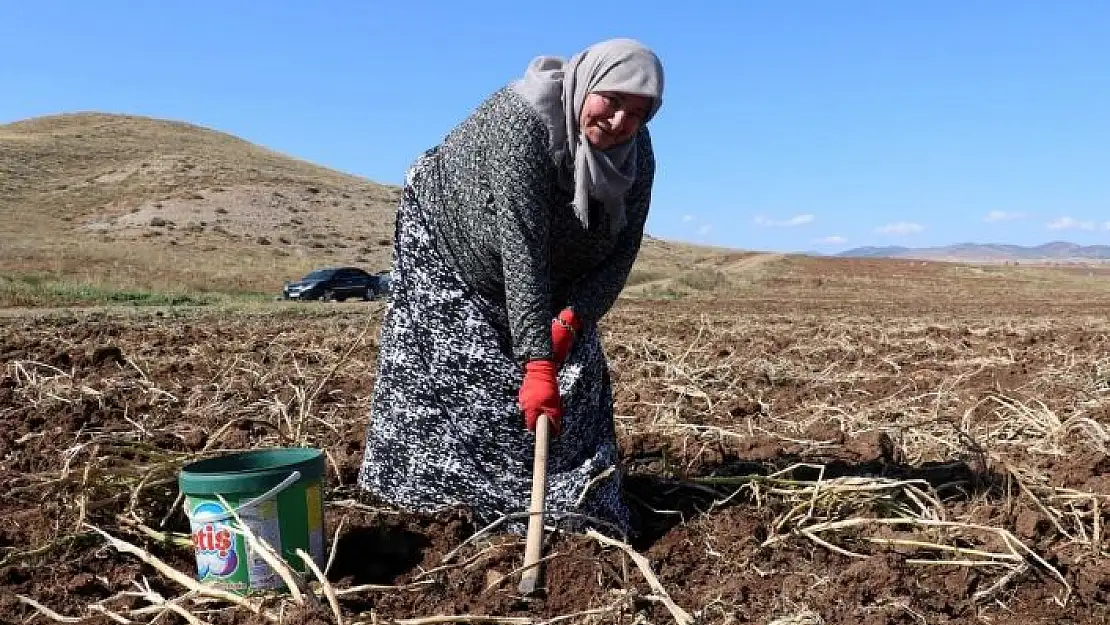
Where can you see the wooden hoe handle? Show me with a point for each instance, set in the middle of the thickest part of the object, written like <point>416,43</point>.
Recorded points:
<point>533,547</point>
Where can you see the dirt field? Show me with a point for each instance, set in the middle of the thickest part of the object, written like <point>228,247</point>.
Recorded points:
<point>793,463</point>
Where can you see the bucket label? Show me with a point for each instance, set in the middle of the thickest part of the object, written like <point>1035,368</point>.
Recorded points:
<point>219,550</point>
<point>224,556</point>
<point>215,544</point>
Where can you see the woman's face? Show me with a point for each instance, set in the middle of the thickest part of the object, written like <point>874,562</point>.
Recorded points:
<point>609,118</point>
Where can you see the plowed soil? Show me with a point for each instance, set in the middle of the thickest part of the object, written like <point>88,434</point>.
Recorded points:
<point>789,465</point>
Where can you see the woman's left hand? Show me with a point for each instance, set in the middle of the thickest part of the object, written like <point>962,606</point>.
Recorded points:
<point>564,329</point>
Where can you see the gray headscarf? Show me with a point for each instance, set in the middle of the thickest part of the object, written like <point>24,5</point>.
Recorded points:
<point>557,89</point>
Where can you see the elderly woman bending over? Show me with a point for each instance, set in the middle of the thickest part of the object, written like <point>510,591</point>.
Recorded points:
<point>515,235</point>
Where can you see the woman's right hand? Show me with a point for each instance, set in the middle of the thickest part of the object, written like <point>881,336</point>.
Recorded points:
<point>539,395</point>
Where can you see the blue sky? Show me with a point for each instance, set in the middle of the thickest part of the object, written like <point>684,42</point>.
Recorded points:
<point>787,125</point>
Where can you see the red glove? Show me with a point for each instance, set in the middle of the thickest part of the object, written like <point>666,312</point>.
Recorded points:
<point>564,329</point>
<point>539,394</point>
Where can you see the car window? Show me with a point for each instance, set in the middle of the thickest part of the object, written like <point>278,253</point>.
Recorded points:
<point>319,274</point>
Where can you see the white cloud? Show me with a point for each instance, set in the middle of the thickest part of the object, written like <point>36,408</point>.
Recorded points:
<point>1106,225</point>
<point>901,227</point>
<point>705,230</point>
<point>687,219</point>
<point>997,215</point>
<point>835,239</point>
<point>796,220</point>
<point>1070,223</point>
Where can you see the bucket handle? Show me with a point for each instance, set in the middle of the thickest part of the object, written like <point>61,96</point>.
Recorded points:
<point>270,494</point>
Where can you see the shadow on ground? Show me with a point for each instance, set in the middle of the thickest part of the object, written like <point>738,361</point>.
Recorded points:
<point>377,554</point>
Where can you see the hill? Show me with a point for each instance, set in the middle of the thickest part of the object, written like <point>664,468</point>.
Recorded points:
<point>1055,251</point>
<point>116,202</point>
<point>158,204</point>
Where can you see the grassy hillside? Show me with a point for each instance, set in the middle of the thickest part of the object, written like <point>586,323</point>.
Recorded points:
<point>121,202</point>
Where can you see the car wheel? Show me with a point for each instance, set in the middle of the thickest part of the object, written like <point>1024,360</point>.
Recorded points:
<point>368,294</point>
<point>328,296</point>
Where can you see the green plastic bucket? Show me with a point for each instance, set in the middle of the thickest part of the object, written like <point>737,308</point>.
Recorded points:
<point>276,492</point>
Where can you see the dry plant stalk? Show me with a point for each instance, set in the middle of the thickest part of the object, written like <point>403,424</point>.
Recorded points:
<point>466,618</point>
<point>47,612</point>
<point>682,617</point>
<point>354,590</point>
<point>159,603</point>
<point>175,575</point>
<point>328,590</point>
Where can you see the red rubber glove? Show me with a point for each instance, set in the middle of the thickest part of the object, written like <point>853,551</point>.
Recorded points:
<point>564,329</point>
<point>539,395</point>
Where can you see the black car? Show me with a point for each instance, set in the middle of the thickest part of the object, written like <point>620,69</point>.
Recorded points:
<point>337,283</point>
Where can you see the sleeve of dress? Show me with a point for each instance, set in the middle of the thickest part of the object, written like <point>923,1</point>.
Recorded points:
<point>595,293</point>
<point>520,186</point>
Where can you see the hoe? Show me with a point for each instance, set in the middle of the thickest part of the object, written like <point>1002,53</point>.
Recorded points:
<point>534,545</point>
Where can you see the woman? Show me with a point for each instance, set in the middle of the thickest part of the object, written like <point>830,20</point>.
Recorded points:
<point>514,237</point>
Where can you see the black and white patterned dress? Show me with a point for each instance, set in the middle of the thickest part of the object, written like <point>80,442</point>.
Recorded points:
<point>466,310</point>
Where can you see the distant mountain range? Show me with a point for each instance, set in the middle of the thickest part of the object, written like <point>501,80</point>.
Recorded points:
<point>988,252</point>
